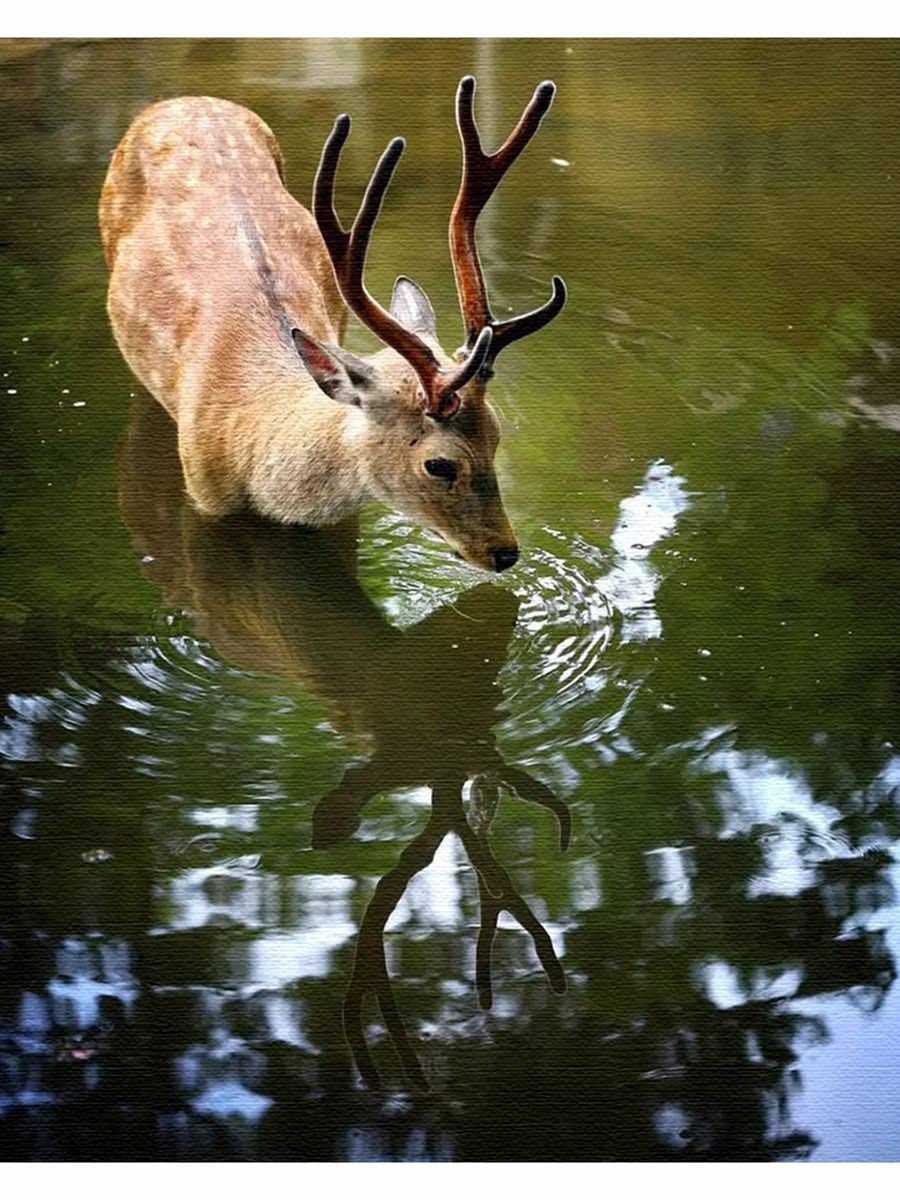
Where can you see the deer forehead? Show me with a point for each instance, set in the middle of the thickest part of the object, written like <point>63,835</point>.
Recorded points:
<point>397,374</point>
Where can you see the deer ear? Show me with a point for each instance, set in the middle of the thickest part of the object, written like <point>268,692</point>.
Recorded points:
<point>340,375</point>
<point>412,308</point>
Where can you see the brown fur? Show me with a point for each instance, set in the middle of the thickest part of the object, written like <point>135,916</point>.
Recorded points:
<point>212,263</point>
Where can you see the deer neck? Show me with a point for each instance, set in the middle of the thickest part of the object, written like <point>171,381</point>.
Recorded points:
<point>308,462</point>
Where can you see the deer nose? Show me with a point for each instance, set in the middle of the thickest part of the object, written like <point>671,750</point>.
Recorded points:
<point>506,556</point>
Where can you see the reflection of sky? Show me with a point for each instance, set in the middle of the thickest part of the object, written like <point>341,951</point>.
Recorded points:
<point>219,1074</point>
<point>321,924</point>
<point>762,791</point>
<point>87,972</point>
<point>433,898</point>
<point>645,518</point>
<point>669,869</point>
<point>849,1096</point>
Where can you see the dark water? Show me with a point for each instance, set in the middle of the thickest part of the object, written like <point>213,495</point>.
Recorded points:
<point>247,770</point>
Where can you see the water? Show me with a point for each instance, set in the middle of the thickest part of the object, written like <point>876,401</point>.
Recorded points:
<point>247,771</point>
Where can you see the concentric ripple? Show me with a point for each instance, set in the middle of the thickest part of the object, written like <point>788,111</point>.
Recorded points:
<point>563,684</point>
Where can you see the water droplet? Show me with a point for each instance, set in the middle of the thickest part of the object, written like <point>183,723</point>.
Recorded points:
<point>65,391</point>
<point>75,1050</point>
<point>11,392</point>
<point>704,653</point>
<point>97,855</point>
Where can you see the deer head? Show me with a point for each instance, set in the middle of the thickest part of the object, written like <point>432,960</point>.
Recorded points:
<point>426,436</point>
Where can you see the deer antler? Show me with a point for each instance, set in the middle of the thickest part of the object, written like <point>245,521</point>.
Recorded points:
<point>348,257</point>
<point>481,175</point>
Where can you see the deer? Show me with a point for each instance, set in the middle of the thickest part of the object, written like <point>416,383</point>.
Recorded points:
<point>229,301</point>
<point>285,602</point>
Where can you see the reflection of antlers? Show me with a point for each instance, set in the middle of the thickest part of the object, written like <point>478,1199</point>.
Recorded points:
<point>491,908</point>
<point>493,904</point>
<point>496,894</point>
<point>370,973</point>
<point>535,792</point>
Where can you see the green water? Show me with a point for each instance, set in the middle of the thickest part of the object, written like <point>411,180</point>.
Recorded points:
<point>246,770</point>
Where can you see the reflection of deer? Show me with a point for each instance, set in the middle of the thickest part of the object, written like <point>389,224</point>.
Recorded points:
<point>496,893</point>
<point>286,601</point>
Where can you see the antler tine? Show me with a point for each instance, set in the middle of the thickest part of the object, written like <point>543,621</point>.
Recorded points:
<point>494,166</point>
<point>481,176</point>
<point>371,206</point>
<point>336,238</point>
<point>348,252</point>
<point>475,362</point>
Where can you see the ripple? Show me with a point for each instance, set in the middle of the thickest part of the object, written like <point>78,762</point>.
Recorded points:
<point>169,703</point>
<point>566,624</point>
<point>409,571</point>
<point>563,683</point>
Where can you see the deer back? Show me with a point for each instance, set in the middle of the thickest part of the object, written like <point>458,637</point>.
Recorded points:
<point>207,249</point>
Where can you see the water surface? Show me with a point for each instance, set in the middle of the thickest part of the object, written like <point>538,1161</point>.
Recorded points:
<point>611,838</point>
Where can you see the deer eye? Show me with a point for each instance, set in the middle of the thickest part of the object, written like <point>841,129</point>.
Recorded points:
<point>441,468</point>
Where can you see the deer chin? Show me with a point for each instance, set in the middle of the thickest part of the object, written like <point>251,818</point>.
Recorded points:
<point>461,553</point>
<point>483,562</point>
